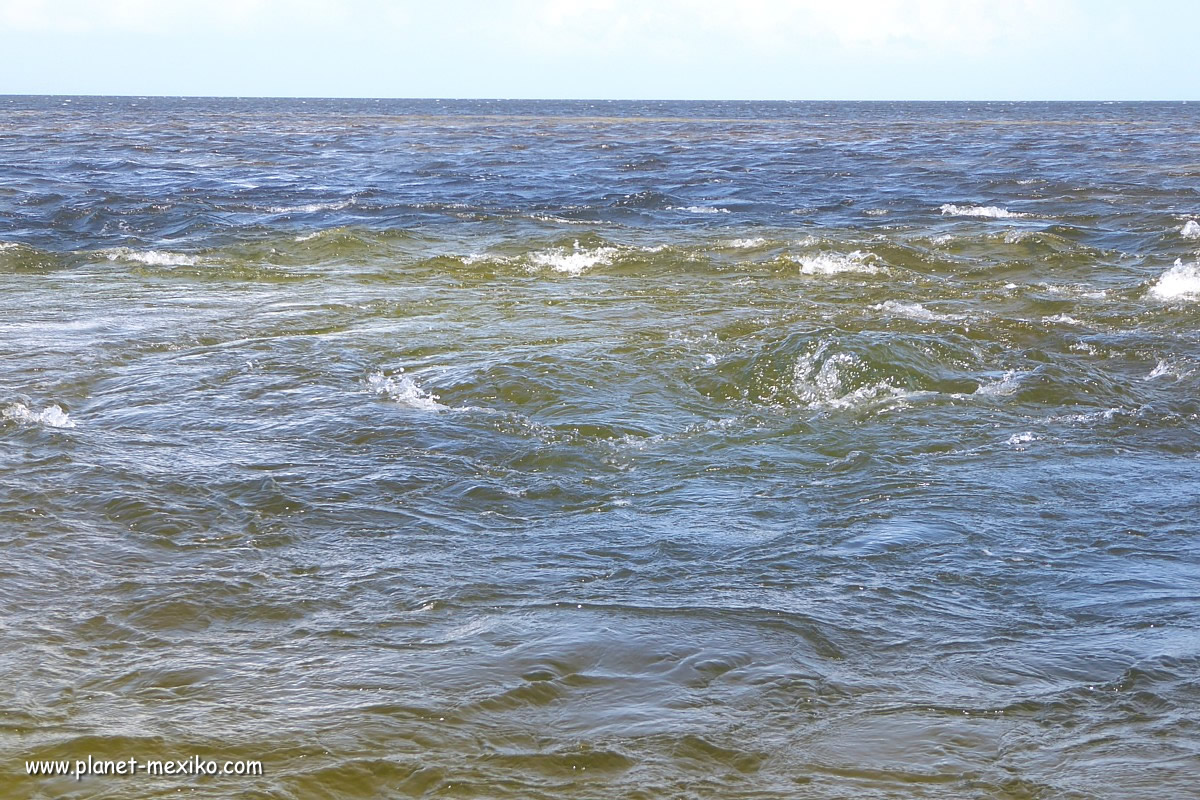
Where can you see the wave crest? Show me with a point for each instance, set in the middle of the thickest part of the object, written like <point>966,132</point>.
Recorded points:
<point>52,416</point>
<point>152,258</point>
<point>835,263</point>
<point>573,261</point>
<point>991,212</point>
<point>403,390</point>
<point>826,381</point>
<point>1182,281</point>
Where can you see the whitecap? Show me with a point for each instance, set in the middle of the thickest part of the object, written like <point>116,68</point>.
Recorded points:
<point>741,244</point>
<point>404,390</point>
<point>1190,230</point>
<point>819,383</point>
<point>1002,387</point>
<point>876,212</point>
<point>911,310</point>
<point>152,258</point>
<point>574,261</point>
<point>699,209</point>
<point>1064,319</point>
<point>310,208</point>
<point>992,212</point>
<point>1105,415</point>
<point>1018,439</point>
<point>470,259</point>
<point>1180,281</point>
<point>1015,237</point>
<point>1165,368</point>
<point>834,263</point>
<point>1075,291</point>
<point>52,416</point>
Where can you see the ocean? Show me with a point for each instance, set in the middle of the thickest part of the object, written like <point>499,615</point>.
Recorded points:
<point>531,449</point>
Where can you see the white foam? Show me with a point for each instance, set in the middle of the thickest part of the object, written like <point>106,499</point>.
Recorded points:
<point>1001,387</point>
<point>1015,237</point>
<point>8,246</point>
<point>1064,319</point>
<point>699,209</point>
<point>835,263</point>
<point>153,258</point>
<point>756,241</point>
<point>475,258</point>
<point>559,220</point>
<point>1075,291</point>
<point>1165,368</point>
<point>311,208</point>
<point>1160,369</point>
<point>1106,415</point>
<point>991,212</point>
<point>1018,439</point>
<point>405,391</point>
<point>1180,281</point>
<point>911,310</point>
<point>1190,230</point>
<point>574,261</point>
<point>818,383</point>
<point>51,416</point>
<point>876,212</point>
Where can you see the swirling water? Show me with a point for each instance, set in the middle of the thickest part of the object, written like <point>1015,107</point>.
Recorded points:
<point>529,450</point>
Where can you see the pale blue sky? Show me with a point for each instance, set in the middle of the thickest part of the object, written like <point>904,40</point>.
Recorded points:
<point>680,49</point>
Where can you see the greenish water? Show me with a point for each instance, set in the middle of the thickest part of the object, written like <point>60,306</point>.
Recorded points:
<point>660,450</point>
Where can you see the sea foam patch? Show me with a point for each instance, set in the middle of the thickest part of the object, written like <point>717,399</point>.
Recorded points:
<point>991,212</point>
<point>699,209</point>
<point>573,261</point>
<point>311,208</point>
<point>1180,282</point>
<point>52,416</point>
<point>915,311</point>
<point>836,263</point>
<point>152,258</point>
<point>403,390</point>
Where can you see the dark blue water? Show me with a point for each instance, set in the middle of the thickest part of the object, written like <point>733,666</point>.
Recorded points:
<point>570,449</point>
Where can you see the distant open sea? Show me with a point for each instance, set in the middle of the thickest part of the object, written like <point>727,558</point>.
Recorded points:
<point>548,450</point>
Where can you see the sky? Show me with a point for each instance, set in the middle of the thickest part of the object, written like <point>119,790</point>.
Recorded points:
<point>606,49</point>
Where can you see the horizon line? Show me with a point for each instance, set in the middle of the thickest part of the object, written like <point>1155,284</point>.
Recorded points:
<point>150,96</point>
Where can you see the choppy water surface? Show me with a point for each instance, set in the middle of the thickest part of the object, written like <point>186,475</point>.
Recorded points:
<point>556,450</point>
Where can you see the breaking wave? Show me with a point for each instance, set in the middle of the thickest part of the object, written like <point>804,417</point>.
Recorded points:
<point>992,212</point>
<point>311,208</point>
<point>573,261</point>
<point>1179,282</point>
<point>403,390</point>
<point>52,416</point>
<point>152,258</point>
<point>911,310</point>
<point>835,263</point>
